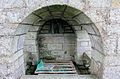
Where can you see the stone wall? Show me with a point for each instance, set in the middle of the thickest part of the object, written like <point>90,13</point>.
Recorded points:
<point>83,45</point>
<point>58,45</point>
<point>62,46</point>
<point>105,14</point>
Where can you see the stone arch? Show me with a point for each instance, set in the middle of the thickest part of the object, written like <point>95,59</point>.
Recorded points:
<point>87,24</point>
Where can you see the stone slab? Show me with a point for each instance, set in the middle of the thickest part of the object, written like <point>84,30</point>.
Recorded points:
<point>58,77</point>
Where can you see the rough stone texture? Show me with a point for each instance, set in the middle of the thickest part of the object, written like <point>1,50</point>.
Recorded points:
<point>83,44</point>
<point>59,77</point>
<point>58,44</point>
<point>103,13</point>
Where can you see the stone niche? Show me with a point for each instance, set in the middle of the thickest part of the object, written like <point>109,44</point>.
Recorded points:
<point>61,46</point>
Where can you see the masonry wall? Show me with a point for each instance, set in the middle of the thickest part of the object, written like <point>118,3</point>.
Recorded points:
<point>103,13</point>
<point>83,45</point>
<point>62,46</point>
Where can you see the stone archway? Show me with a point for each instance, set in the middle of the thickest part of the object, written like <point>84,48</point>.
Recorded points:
<point>78,21</point>
<point>17,13</point>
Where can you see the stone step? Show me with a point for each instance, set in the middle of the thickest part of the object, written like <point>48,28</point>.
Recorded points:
<point>54,76</point>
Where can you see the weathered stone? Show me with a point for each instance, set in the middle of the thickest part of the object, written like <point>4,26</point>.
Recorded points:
<point>20,44</point>
<point>30,48</point>
<point>59,77</point>
<point>104,14</point>
<point>110,71</point>
<point>69,40</point>
<point>112,60</point>
<point>31,35</point>
<point>16,55</point>
<point>69,47</point>
<point>55,46</point>
<point>30,42</point>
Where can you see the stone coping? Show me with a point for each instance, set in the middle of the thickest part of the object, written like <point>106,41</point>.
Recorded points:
<point>58,76</point>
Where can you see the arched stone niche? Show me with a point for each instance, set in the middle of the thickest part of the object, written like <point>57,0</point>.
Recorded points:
<point>88,37</point>
<point>15,12</point>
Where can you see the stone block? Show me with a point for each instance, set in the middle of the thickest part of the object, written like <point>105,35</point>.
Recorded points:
<point>30,20</point>
<point>18,72</point>
<point>30,48</point>
<point>69,40</point>
<point>5,45</point>
<point>77,3</point>
<point>84,39</point>
<point>53,39</point>
<point>2,17</point>
<point>21,60</point>
<point>21,30</point>
<point>112,61</point>
<point>20,44</point>
<point>77,28</point>
<point>71,52</point>
<point>69,47</point>
<point>3,53</point>
<point>3,70</point>
<point>84,43</point>
<point>114,26</point>
<point>55,46</point>
<point>16,64</point>
<point>12,4</point>
<point>99,4</point>
<point>110,45</point>
<point>11,67</point>
<point>58,54</point>
<point>11,76</point>
<point>58,77</point>
<point>111,72</point>
<point>81,50</point>
<point>15,15</point>
<point>97,56</point>
<point>8,28</point>
<point>31,2</point>
<point>96,67</point>
<point>31,35</point>
<point>58,40</point>
<point>82,34</point>
<point>83,19</point>
<point>98,14</point>
<point>35,29</point>
<point>97,43</point>
<point>69,35</point>
<point>67,57</point>
<point>89,30</point>
<point>48,39</point>
<point>115,15</point>
<point>16,55</point>
<point>30,42</point>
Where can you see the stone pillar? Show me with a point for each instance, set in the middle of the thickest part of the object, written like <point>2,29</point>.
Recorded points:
<point>83,45</point>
